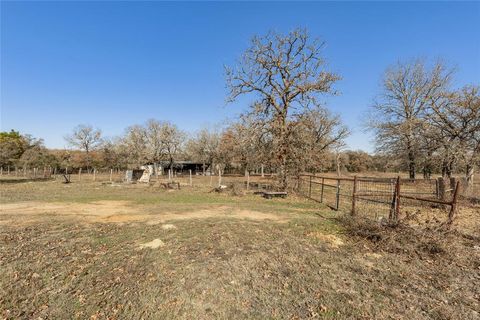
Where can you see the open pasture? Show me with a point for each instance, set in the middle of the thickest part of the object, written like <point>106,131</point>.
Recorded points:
<point>118,251</point>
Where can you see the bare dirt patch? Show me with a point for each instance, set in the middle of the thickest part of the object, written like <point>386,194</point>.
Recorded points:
<point>108,211</point>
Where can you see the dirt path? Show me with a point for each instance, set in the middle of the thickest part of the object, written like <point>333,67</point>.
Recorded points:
<point>108,211</point>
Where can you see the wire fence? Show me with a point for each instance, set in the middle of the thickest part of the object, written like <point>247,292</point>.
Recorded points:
<point>382,198</point>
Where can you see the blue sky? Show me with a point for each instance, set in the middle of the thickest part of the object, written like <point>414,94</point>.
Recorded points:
<point>114,64</point>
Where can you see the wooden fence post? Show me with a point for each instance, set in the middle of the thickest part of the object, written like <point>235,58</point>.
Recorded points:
<point>8,170</point>
<point>395,210</point>
<point>354,192</point>
<point>190,174</point>
<point>453,204</point>
<point>337,204</point>
<point>111,174</point>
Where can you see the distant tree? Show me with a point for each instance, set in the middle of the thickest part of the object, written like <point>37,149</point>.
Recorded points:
<point>398,118</point>
<point>12,146</point>
<point>154,135</point>
<point>204,147</point>
<point>172,142</point>
<point>38,156</point>
<point>287,74</point>
<point>315,133</point>
<point>134,145</point>
<point>85,138</point>
<point>358,161</point>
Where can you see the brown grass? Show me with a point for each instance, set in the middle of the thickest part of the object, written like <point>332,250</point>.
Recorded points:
<point>191,254</point>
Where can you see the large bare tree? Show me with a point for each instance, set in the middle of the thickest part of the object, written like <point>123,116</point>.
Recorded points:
<point>287,75</point>
<point>408,89</point>
<point>86,138</point>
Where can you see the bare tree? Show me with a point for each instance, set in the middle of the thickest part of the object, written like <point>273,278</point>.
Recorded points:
<point>134,144</point>
<point>204,147</point>
<point>408,89</point>
<point>172,141</point>
<point>153,132</point>
<point>86,138</point>
<point>287,75</point>
<point>456,120</point>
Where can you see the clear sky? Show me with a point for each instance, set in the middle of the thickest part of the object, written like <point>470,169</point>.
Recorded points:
<point>114,64</point>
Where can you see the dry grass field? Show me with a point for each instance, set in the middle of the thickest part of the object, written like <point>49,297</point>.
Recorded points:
<point>89,250</point>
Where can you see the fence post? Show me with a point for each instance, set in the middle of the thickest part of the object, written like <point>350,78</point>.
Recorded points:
<point>111,174</point>
<point>190,173</point>
<point>310,188</point>
<point>453,204</point>
<point>8,170</point>
<point>395,210</point>
<point>321,193</point>
<point>337,204</point>
<point>248,180</point>
<point>354,192</point>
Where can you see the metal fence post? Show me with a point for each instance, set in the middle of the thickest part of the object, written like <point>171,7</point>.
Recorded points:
<point>338,195</point>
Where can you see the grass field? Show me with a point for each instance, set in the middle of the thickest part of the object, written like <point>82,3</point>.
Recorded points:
<point>89,250</point>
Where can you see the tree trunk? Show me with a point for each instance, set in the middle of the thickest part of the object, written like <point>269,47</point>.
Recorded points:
<point>411,165</point>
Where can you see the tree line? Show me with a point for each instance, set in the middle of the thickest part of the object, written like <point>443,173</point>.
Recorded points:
<point>418,120</point>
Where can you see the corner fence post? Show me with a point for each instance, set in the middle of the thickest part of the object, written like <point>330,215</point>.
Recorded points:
<point>395,209</point>
<point>453,204</point>
<point>354,192</point>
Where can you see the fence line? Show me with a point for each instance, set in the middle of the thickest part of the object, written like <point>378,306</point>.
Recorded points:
<point>381,196</point>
